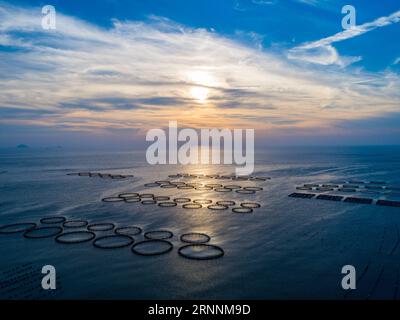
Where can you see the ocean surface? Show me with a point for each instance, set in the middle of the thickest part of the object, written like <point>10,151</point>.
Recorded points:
<point>289,248</point>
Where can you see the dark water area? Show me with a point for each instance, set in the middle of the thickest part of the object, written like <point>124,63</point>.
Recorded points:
<point>289,248</point>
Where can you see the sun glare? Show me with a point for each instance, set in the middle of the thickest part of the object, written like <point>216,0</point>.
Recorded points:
<point>202,81</point>
<point>199,93</point>
<point>203,78</point>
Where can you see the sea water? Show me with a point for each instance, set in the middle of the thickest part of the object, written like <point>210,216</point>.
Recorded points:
<point>287,249</point>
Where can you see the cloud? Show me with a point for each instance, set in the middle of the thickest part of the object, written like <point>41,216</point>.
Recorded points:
<point>246,5</point>
<point>322,4</point>
<point>322,51</point>
<point>324,55</point>
<point>239,7</point>
<point>265,2</point>
<point>140,74</point>
<point>309,2</point>
<point>355,31</point>
<point>253,38</point>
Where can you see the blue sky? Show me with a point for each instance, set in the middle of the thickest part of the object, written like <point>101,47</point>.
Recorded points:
<point>115,69</point>
<point>281,23</point>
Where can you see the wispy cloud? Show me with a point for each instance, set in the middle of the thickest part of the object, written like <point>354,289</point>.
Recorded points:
<point>265,2</point>
<point>320,4</point>
<point>309,2</point>
<point>322,51</point>
<point>141,74</point>
<point>246,5</point>
<point>324,55</point>
<point>355,31</point>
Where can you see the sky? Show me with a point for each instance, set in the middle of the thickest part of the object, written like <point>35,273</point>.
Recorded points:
<point>111,70</point>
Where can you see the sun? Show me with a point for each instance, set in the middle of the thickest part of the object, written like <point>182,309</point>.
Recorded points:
<point>202,82</point>
<point>199,93</point>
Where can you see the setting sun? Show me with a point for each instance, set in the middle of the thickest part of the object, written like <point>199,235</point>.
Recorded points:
<point>199,93</point>
<point>202,81</point>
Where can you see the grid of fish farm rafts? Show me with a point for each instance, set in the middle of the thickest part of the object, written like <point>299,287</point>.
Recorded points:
<point>360,192</point>
<point>155,242</point>
<point>194,245</point>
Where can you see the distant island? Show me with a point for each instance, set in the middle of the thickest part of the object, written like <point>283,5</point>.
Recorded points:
<point>24,146</point>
